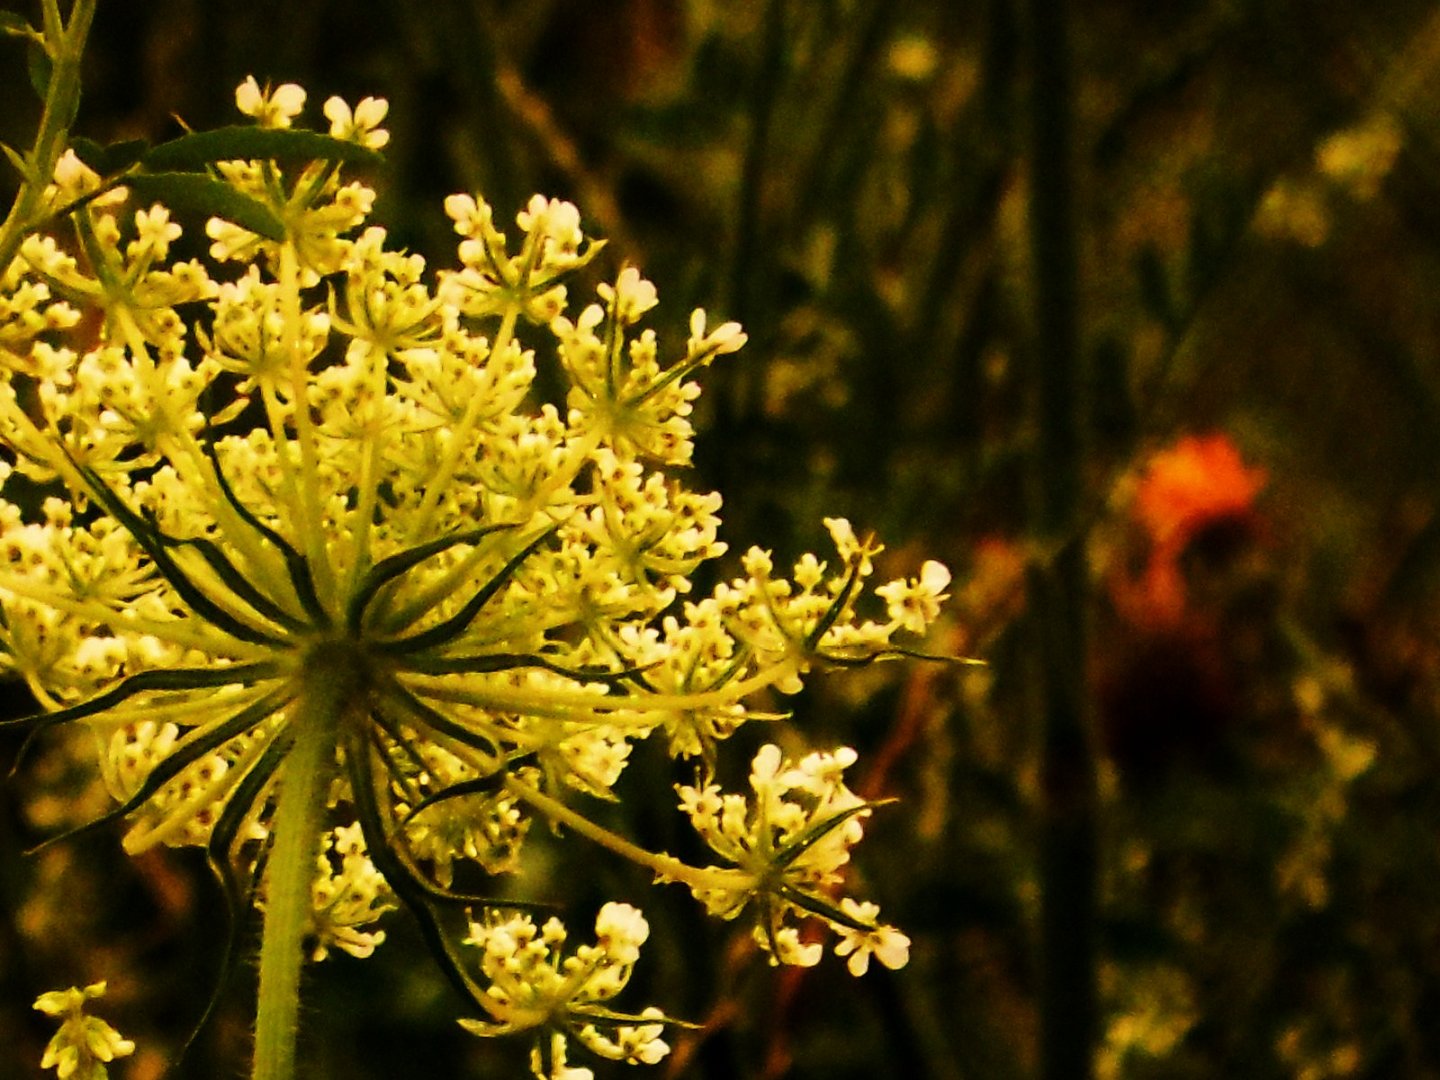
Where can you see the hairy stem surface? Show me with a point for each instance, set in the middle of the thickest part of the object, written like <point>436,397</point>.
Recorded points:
<point>299,814</point>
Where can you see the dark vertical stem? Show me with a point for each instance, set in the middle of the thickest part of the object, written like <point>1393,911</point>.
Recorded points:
<point>812,191</point>
<point>465,41</point>
<point>747,271</point>
<point>752,268</point>
<point>1067,829</point>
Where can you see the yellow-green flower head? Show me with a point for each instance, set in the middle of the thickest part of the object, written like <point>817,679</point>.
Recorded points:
<point>324,473</point>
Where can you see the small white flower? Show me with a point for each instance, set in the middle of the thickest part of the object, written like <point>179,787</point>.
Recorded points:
<point>360,126</point>
<point>620,930</point>
<point>558,1068</point>
<point>851,548</point>
<point>73,178</point>
<point>84,1045</point>
<point>347,897</point>
<point>630,297</point>
<point>725,338</point>
<point>270,108</point>
<point>914,604</point>
<point>534,987</point>
<point>789,949</point>
<point>885,943</point>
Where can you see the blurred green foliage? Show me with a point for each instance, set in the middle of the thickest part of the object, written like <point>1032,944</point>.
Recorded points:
<point>1260,255</point>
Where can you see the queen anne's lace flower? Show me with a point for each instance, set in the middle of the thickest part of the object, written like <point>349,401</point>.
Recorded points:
<point>534,986</point>
<point>788,846</point>
<point>320,475</point>
<point>885,943</point>
<point>349,894</point>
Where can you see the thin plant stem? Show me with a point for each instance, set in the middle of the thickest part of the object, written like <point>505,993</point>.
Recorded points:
<point>309,502</point>
<point>62,99</point>
<point>876,24</point>
<point>1068,873</point>
<point>666,867</point>
<point>745,289</point>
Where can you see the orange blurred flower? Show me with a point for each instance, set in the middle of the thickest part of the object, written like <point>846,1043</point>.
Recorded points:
<point>1195,485</point>
<point>1169,688</point>
<point>1198,481</point>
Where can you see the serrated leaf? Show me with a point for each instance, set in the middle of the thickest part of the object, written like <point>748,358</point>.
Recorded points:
<point>240,143</point>
<point>199,194</point>
<point>38,67</point>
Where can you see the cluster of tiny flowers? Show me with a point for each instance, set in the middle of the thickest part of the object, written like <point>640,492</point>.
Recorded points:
<point>534,985</point>
<point>348,894</point>
<point>323,458</point>
<point>484,827</point>
<point>84,1045</point>
<point>787,848</point>
<point>318,208</point>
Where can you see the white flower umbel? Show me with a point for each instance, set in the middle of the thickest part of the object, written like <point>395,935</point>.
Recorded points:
<point>348,895</point>
<point>319,559</point>
<point>788,846</point>
<point>84,1045</point>
<point>534,987</point>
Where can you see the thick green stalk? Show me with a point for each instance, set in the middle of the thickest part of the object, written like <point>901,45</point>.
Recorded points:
<point>62,101</point>
<point>1068,871</point>
<point>330,688</point>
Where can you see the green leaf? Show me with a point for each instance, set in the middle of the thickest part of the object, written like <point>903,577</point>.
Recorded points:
<point>120,156</point>
<point>90,152</point>
<point>17,159</point>
<point>112,159</point>
<point>38,66</point>
<point>241,143</point>
<point>199,194</point>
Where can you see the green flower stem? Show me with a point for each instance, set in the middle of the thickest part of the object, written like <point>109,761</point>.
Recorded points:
<point>368,483</point>
<point>423,517</point>
<point>192,463</point>
<point>330,686</point>
<point>666,867</point>
<point>309,506</point>
<point>113,615</point>
<point>459,437</point>
<point>613,709</point>
<point>427,599</point>
<point>62,100</point>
